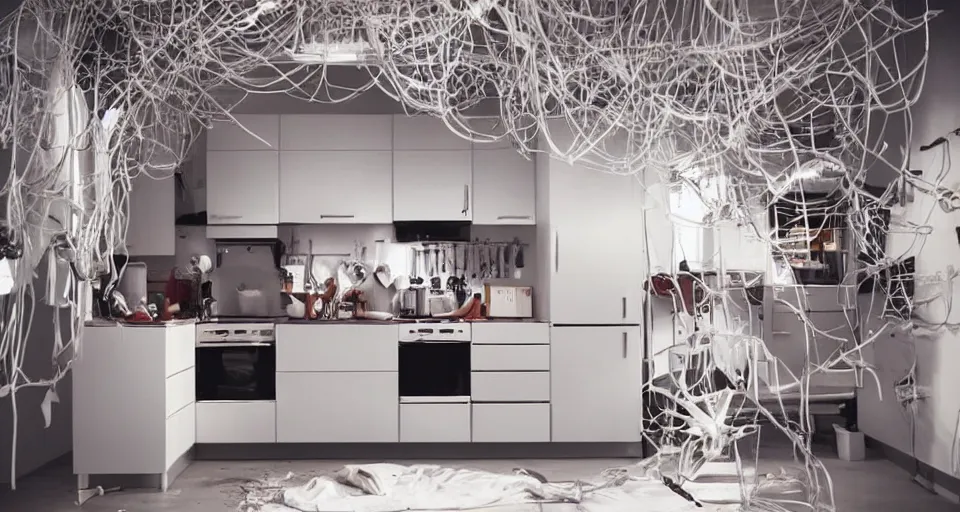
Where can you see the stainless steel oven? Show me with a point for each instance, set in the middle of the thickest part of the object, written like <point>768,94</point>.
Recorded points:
<point>236,362</point>
<point>434,363</point>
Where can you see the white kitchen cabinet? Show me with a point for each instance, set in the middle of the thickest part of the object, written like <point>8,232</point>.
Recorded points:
<point>337,348</point>
<point>312,132</point>
<point>504,187</point>
<point>510,386</point>
<point>509,358</point>
<point>511,423</point>
<point>510,333</point>
<point>226,136</point>
<point>432,185</point>
<point>152,222</point>
<point>594,252</point>
<point>336,187</point>
<point>237,422</point>
<point>337,407</point>
<point>133,399</point>
<point>595,381</point>
<point>434,423</point>
<point>425,132</point>
<point>243,187</point>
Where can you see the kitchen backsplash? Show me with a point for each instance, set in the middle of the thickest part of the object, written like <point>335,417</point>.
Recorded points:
<point>331,244</point>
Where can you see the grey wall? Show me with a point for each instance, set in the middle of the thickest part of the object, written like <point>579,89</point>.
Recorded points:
<point>35,445</point>
<point>937,352</point>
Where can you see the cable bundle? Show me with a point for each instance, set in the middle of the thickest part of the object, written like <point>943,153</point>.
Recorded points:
<point>94,93</point>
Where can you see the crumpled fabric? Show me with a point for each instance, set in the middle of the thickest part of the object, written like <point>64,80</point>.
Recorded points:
<point>395,488</point>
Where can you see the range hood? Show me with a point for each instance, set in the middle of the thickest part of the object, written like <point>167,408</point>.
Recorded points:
<point>431,231</point>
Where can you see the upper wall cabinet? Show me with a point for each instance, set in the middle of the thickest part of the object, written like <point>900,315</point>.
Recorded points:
<point>152,222</point>
<point>336,187</point>
<point>243,187</point>
<point>424,133</point>
<point>225,136</point>
<point>504,187</point>
<point>336,132</point>
<point>432,185</point>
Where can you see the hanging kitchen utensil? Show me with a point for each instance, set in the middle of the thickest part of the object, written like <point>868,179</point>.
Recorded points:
<point>442,251</point>
<point>413,262</point>
<point>491,260</point>
<point>436,261</point>
<point>518,259</point>
<point>383,276</point>
<point>377,253</point>
<point>501,262</point>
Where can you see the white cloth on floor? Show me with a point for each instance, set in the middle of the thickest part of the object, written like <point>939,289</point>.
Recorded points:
<point>394,488</point>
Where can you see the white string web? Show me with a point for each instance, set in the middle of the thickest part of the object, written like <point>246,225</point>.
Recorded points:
<point>93,93</point>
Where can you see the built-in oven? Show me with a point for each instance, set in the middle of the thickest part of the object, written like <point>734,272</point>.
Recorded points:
<point>236,362</point>
<point>434,363</point>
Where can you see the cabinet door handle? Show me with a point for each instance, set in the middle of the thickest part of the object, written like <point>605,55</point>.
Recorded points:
<point>326,216</point>
<point>514,217</point>
<point>624,345</point>
<point>624,307</point>
<point>466,200</point>
<point>556,253</point>
<point>226,217</point>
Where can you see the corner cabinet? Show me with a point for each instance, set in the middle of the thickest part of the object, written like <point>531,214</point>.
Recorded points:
<point>591,232</point>
<point>596,379</point>
<point>133,401</point>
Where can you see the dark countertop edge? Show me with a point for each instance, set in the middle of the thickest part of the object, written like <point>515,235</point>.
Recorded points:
<point>299,321</point>
<point>118,323</point>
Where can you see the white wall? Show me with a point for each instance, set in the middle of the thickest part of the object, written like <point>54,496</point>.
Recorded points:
<point>35,445</point>
<point>937,356</point>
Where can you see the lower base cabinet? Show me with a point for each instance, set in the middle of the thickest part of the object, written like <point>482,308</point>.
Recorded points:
<point>337,407</point>
<point>236,422</point>
<point>511,423</point>
<point>435,423</point>
<point>596,376</point>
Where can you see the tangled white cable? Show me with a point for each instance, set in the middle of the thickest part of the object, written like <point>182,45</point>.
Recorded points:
<point>762,93</point>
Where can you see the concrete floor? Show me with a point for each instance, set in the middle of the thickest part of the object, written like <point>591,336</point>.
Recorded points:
<point>210,486</point>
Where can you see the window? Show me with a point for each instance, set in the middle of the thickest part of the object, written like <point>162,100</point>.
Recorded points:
<point>689,204</point>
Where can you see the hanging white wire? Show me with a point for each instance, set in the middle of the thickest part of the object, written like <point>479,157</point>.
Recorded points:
<point>756,93</point>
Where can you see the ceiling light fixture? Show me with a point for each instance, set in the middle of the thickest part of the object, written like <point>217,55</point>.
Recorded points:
<point>345,53</point>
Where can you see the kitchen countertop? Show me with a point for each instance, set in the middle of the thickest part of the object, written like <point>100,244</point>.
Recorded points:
<point>103,322</point>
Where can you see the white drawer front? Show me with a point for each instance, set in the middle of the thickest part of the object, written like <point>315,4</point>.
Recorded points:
<point>509,333</point>
<point>511,423</point>
<point>181,391</point>
<point>332,407</point>
<point>236,422</point>
<point>181,433</point>
<point>434,423</point>
<point>180,348</point>
<point>510,386</point>
<point>510,357</point>
<point>337,348</point>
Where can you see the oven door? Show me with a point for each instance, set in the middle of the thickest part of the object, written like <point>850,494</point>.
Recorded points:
<point>236,371</point>
<point>434,371</point>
